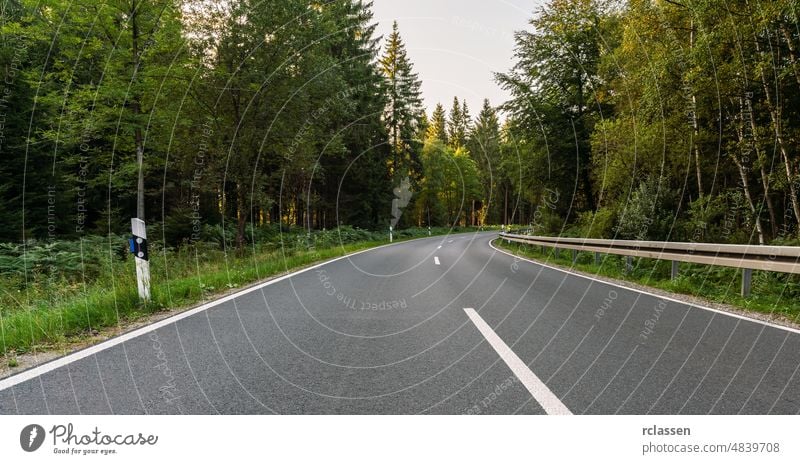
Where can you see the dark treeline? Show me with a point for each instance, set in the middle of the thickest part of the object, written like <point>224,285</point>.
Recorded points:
<point>641,119</point>
<point>239,113</point>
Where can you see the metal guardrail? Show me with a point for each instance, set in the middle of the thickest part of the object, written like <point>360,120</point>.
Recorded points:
<point>746,257</point>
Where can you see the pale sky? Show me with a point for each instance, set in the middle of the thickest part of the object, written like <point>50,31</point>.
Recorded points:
<point>457,45</point>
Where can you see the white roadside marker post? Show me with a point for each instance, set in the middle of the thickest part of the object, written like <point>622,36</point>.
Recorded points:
<point>139,250</point>
<point>390,234</point>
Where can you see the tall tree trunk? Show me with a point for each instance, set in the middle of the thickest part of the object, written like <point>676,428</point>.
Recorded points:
<point>768,200</point>
<point>698,171</point>
<point>792,52</point>
<point>762,161</point>
<point>241,216</point>
<point>140,181</point>
<point>775,112</point>
<point>746,188</point>
<point>472,214</point>
<point>585,161</point>
<point>136,109</point>
<point>505,205</point>
<point>587,189</point>
<point>695,127</point>
<point>743,174</point>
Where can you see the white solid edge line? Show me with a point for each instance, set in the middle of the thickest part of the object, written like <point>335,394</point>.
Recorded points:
<point>436,260</point>
<point>645,292</point>
<point>546,398</point>
<point>86,352</point>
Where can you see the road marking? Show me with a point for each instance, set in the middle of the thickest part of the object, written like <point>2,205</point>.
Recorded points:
<point>436,260</point>
<point>438,247</point>
<point>549,401</point>
<point>644,292</point>
<point>41,369</point>
<point>449,241</point>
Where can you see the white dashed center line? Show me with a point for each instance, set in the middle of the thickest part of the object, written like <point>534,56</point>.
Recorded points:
<point>436,260</point>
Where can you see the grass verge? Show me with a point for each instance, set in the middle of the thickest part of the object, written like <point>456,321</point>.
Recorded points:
<point>775,294</point>
<point>48,312</point>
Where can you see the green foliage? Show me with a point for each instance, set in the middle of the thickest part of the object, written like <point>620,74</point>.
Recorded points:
<point>648,213</point>
<point>458,125</point>
<point>437,129</point>
<point>546,221</point>
<point>69,260</point>
<point>450,186</point>
<point>258,112</point>
<point>595,224</point>
<point>610,100</point>
<point>404,110</point>
<point>552,84</point>
<point>484,147</point>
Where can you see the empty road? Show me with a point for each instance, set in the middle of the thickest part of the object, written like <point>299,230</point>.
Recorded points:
<point>443,325</point>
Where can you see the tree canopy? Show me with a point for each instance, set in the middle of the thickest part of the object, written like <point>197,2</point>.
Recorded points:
<point>632,119</point>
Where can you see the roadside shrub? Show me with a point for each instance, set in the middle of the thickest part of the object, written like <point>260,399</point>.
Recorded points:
<point>715,219</point>
<point>596,224</point>
<point>647,214</point>
<point>546,222</point>
<point>73,259</point>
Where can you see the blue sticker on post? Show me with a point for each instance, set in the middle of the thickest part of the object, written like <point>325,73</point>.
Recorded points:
<point>138,247</point>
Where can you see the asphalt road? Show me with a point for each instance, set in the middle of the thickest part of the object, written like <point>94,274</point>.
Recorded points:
<point>446,325</point>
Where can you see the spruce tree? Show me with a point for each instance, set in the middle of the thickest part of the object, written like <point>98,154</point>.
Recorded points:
<point>438,124</point>
<point>456,126</point>
<point>466,119</point>
<point>404,106</point>
<point>356,187</point>
<point>484,147</point>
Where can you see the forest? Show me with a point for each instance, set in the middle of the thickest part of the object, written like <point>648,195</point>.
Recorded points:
<point>649,119</point>
<point>659,120</point>
<point>256,137</point>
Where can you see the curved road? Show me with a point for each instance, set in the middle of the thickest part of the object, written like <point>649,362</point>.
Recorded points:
<point>445,325</point>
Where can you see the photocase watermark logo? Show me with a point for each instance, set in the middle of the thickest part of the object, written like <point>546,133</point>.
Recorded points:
<point>402,195</point>
<point>69,441</point>
<point>31,437</point>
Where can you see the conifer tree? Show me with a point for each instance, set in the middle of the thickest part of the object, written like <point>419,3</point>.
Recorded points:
<point>466,118</point>
<point>437,128</point>
<point>404,107</point>
<point>484,147</point>
<point>456,126</point>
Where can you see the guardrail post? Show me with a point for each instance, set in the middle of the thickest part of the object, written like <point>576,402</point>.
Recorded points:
<point>675,269</point>
<point>597,258</point>
<point>574,256</point>
<point>556,252</point>
<point>747,280</point>
<point>628,265</point>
